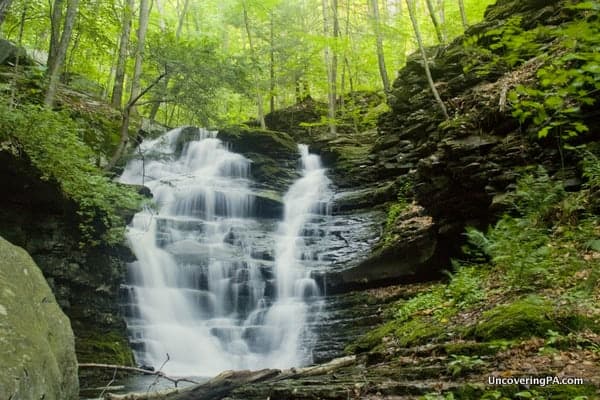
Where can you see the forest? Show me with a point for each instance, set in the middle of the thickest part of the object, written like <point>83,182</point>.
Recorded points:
<point>335,199</point>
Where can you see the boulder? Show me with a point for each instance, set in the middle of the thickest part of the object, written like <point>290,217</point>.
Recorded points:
<point>37,350</point>
<point>9,52</point>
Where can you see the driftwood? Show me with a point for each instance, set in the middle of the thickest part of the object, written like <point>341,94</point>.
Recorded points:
<point>223,384</point>
<point>158,373</point>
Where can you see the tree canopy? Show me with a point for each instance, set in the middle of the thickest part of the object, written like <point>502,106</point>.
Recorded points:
<point>228,61</point>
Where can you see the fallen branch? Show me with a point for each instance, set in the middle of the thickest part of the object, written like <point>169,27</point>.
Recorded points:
<point>159,374</point>
<point>220,386</point>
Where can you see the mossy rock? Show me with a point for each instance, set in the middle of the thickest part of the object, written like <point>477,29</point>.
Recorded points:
<point>103,347</point>
<point>524,318</point>
<point>277,145</point>
<point>36,341</point>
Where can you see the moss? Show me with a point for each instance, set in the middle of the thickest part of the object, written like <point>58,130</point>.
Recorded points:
<point>371,339</point>
<point>524,318</point>
<point>417,331</point>
<point>107,348</point>
<point>278,145</point>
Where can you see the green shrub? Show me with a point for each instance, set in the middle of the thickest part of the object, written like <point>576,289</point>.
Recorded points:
<point>52,141</point>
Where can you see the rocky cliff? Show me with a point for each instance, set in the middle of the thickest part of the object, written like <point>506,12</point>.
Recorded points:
<point>459,170</point>
<point>35,215</point>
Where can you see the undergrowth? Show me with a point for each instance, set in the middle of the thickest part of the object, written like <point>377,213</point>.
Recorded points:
<point>537,270</point>
<point>52,140</point>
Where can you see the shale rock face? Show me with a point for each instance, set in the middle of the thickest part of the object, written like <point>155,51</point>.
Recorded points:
<point>37,350</point>
<point>460,169</point>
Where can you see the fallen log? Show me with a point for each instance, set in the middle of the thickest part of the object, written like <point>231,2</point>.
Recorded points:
<point>223,384</point>
<point>214,389</point>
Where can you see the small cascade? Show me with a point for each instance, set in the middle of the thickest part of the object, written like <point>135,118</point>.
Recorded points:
<point>220,282</point>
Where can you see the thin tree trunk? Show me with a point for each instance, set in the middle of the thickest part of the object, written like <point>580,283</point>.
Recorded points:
<point>272,67</point>
<point>17,56</point>
<point>56,16</point>
<point>4,6</point>
<point>434,20</point>
<point>334,58</point>
<point>413,19</point>
<point>379,41</point>
<point>139,57</point>
<point>117,92</point>
<point>184,11</point>
<point>65,38</point>
<point>330,76</point>
<point>259,100</point>
<point>125,124</point>
<point>442,19</point>
<point>463,14</point>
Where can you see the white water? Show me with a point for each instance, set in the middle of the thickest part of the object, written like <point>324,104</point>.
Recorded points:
<point>205,289</point>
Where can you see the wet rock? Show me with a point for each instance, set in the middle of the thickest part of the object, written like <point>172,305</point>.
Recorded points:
<point>38,349</point>
<point>274,154</point>
<point>409,252</point>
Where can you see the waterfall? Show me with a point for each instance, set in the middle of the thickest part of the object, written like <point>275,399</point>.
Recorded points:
<point>221,281</point>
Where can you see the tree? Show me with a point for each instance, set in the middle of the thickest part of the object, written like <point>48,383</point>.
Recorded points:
<point>434,20</point>
<point>4,6</point>
<point>139,56</point>
<point>259,99</point>
<point>413,19</point>
<point>330,65</point>
<point>463,14</point>
<point>58,52</point>
<point>379,42</point>
<point>117,93</point>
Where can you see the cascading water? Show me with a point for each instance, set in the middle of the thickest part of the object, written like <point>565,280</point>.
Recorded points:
<point>219,283</point>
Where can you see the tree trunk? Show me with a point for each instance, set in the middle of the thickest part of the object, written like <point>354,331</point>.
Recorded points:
<point>184,11</point>
<point>139,56</point>
<point>463,14</point>
<point>413,19</point>
<point>117,93</point>
<point>56,16</point>
<point>272,66</point>
<point>330,75</point>
<point>124,131</point>
<point>259,100</point>
<point>442,19</point>
<point>434,20</point>
<point>17,55</point>
<point>65,39</point>
<point>334,60</point>
<point>4,6</point>
<point>379,41</point>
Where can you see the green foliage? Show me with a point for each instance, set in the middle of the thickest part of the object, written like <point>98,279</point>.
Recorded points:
<point>52,141</point>
<point>465,287</point>
<point>566,84</point>
<point>503,48</point>
<point>461,364</point>
<point>521,246</point>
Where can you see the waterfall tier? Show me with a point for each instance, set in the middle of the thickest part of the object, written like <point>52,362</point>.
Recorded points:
<point>222,277</point>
